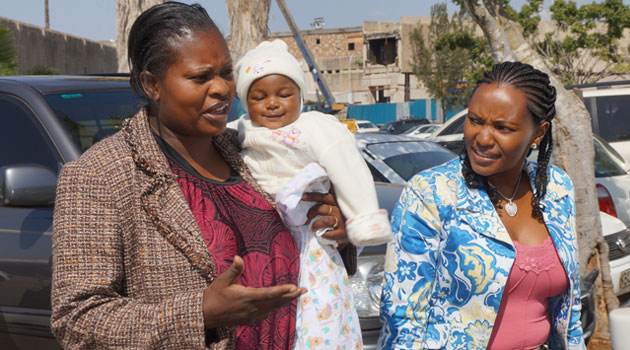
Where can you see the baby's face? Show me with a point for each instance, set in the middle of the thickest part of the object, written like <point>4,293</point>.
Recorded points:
<point>273,101</point>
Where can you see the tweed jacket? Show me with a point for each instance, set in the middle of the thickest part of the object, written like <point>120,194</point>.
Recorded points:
<point>447,267</point>
<point>129,262</point>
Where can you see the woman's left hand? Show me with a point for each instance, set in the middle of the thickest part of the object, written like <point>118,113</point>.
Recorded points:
<point>330,214</point>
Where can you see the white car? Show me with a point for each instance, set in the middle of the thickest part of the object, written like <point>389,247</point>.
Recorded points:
<point>396,158</point>
<point>422,131</point>
<point>617,236</point>
<point>365,126</point>
<point>609,106</point>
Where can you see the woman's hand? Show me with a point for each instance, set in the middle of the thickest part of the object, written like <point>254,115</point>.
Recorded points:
<point>226,303</point>
<point>331,216</point>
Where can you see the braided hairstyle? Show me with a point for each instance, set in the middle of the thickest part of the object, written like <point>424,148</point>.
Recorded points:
<point>154,36</point>
<point>541,98</point>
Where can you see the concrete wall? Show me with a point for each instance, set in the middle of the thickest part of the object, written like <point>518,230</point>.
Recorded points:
<point>66,53</point>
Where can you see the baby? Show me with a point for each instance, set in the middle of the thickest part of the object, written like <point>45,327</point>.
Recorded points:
<point>290,153</point>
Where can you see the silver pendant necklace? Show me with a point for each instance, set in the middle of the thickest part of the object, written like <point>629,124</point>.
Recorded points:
<point>510,207</point>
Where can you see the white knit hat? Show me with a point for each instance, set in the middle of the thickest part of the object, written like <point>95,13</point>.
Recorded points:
<point>269,57</point>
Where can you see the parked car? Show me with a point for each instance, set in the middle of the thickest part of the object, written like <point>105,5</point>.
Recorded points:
<point>451,133</point>
<point>366,126</point>
<point>401,125</point>
<point>395,158</point>
<point>609,106</point>
<point>421,131</point>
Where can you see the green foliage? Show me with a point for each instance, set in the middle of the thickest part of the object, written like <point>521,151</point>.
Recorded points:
<point>586,46</point>
<point>592,37</point>
<point>42,69</point>
<point>8,55</point>
<point>451,60</point>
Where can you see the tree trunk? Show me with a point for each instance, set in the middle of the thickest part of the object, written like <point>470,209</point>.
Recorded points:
<point>572,136</point>
<point>126,13</point>
<point>47,14</point>
<point>248,24</point>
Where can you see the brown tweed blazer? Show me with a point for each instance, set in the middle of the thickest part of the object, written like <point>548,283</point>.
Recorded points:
<point>129,262</point>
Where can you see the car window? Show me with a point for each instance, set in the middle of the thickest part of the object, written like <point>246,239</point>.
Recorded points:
<point>90,116</point>
<point>606,163</point>
<point>613,117</point>
<point>408,158</point>
<point>456,127</point>
<point>376,175</point>
<point>23,139</point>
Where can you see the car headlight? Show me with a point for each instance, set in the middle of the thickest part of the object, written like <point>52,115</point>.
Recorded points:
<point>367,285</point>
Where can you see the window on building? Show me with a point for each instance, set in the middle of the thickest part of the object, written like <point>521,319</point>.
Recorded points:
<point>317,41</point>
<point>382,51</point>
<point>378,93</point>
<point>350,46</point>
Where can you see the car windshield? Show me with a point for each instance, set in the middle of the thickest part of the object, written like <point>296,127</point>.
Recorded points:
<point>365,125</point>
<point>89,116</point>
<point>408,158</point>
<point>606,163</point>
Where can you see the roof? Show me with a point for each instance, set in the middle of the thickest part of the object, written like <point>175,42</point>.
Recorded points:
<point>52,83</point>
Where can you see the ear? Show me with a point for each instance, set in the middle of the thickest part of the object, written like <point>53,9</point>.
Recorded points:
<point>150,85</point>
<point>540,132</point>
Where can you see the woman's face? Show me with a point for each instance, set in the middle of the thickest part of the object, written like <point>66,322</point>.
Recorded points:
<point>499,130</point>
<point>195,95</point>
<point>273,101</point>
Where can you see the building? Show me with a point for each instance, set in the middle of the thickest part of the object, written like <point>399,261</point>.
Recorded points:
<point>366,65</point>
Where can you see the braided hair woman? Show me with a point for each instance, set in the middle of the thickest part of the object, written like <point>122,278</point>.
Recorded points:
<point>485,255</point>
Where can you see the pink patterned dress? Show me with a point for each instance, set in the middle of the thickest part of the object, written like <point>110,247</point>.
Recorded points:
<point>523,321</point>
<point>237,220</point>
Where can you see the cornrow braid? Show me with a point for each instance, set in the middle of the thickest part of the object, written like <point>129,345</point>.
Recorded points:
<point>541,99</point>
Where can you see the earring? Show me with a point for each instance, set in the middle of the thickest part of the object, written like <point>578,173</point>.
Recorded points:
<point>534,145</point>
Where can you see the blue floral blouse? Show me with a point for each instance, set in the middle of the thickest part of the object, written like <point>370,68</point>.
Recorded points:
<point>447,267</point>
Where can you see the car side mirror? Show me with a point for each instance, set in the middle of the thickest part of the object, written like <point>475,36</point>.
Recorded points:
<point>27,185</point>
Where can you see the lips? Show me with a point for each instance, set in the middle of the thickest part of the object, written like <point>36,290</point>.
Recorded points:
<point>218,112</point>
<point>482,158</point>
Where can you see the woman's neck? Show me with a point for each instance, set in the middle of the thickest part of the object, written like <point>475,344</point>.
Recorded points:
<point>198,151</point>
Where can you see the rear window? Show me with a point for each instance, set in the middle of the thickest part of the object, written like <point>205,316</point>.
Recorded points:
<point>89,116</point>
<point>613,117</point>
<point>408,158</point>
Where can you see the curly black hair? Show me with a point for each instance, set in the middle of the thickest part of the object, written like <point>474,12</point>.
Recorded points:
<point>154,35</point>
<point>541,98</point>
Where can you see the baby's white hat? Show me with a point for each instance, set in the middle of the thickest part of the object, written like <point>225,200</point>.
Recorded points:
<point>269,57</point>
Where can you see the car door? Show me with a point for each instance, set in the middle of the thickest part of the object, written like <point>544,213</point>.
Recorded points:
<point>25,234</point>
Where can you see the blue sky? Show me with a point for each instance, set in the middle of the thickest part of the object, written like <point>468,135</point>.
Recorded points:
<point>94,19</point>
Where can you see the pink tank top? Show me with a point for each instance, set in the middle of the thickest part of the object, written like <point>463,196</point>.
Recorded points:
<point>523,320</point>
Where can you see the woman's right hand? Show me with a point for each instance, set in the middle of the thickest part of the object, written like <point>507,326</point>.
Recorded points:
<point>226,303</point>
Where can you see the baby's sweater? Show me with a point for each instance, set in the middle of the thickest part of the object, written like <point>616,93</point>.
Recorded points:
<point>276,156</point>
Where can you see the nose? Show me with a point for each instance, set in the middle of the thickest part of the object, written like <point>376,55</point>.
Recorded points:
<point>220,88</point>
<point>271,103</point>
<point>484,137</point>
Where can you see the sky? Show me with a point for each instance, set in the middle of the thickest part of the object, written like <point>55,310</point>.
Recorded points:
<point>94,19</point>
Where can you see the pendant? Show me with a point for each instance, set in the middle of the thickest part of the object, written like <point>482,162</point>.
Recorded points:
<point>510,208</point>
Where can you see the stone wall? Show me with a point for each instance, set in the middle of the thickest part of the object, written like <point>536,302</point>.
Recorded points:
<point>66,53</point>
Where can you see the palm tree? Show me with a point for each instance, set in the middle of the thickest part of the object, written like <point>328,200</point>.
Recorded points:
<point>8,55</point>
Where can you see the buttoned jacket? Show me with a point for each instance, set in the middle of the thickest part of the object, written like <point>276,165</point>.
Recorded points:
<point>448,265</point>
